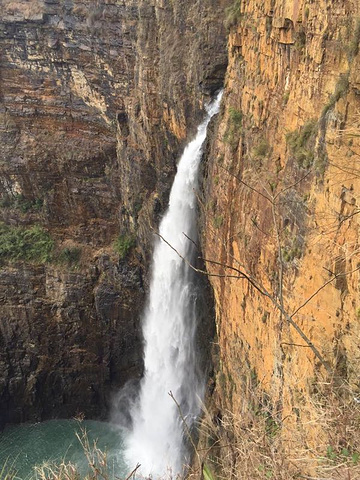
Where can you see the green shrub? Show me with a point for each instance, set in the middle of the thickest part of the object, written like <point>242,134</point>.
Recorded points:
<point>138,206</point>
<point>218,221</point>
<point>268,26</point>
<point>233,131</point>
<point>272,427</point>
<point>233,14</point>
<point>261,149</point>
<point>291,254</point>
<point>341,89</point>
<point>353,47</point>
<point>220,159</point>
<point>300,40</point>
<point>235,117</point>
<point>301,143</point>
<point>285,98</point>
<point>70,256</point>
<point>342,455</point>
<point>32,244</point>
<point>20,202</point>
<point>292,251</point>
<point>123,244</point>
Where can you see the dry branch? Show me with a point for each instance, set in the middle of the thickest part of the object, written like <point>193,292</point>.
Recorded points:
<point>262,290</point>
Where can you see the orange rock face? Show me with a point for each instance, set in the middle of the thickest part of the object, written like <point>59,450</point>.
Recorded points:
<point>281,204</point>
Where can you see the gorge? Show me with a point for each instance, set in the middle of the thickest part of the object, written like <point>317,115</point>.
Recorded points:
<point>97,101</point>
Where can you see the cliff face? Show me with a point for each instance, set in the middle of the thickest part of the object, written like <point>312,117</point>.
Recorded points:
<point>67,338</point>
<point>280,207</point>
<point>96,101</point>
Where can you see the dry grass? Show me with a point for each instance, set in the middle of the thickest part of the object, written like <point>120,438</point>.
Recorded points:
<point>257,444</point>
<point>321,441</point>
<point>7,471</point>
<point>23,7</point>
<point>98,468</point>
<point>96,460</point>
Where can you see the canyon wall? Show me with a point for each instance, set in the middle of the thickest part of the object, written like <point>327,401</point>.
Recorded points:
<point>280,209</point>
<point>97,99</point>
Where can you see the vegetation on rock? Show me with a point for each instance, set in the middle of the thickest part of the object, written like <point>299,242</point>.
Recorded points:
<point>123,244</point>
<point>233,14</point>
<point>234,127</point>
<point>261,149</point>
<point>70,256</point>
<point>32,244</point>
<point>301,143</point>
<point>20,202</point>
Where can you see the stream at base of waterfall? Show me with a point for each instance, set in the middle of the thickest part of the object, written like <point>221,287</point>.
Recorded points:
<point>24,447</point>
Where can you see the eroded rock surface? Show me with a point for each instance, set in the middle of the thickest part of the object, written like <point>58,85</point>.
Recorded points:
<point>97,99</point>
<point>281,204</point>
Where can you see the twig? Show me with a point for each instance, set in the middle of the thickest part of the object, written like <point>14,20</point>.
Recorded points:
<point>132,473</point>
<point>199,270</point>
<point>337,275</point>
<point>346,217</point>
<point>311,478</point>
<point>191,240</point>
<point>240,180</point>
<point>293,185</point>
<point>241,275</point>
<point>201,463</point>
<point>261,290</point>
<point>280,258</point>
<point>309,342</point>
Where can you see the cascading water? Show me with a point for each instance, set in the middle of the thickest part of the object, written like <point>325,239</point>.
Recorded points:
<point>156,440</point>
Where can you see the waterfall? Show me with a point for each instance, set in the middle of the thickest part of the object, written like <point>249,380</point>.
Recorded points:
<point>156,440</point>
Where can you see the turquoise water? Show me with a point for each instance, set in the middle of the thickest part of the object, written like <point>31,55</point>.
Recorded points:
<point>25,446</point>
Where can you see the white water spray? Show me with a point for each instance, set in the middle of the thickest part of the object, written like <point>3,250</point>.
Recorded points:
<point>156,440</point>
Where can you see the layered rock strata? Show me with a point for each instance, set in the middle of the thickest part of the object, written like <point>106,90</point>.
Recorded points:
<point>97,99</point>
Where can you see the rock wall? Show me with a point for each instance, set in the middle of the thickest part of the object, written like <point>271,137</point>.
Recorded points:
<point>280,212</point>
<point>68,338</point>
<point>97,99</point>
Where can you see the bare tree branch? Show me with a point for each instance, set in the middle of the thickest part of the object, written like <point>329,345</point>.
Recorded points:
<point>133,472</point>
<point>242,275</point>
<point>260,289</point>
<point>280,257</point>
<point>240,180</point>
<point>293,185</point>
<point>191,240</point>
<point>199,270</point>
<point>337,275</point>
<point>188,433</point>
<point>304,337</point>
<point>347,217</point>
